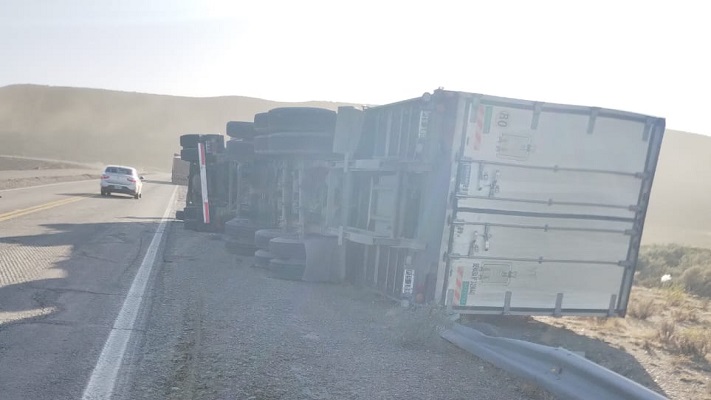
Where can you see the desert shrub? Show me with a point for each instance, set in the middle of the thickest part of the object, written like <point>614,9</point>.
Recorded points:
<point>697,280</point>
<point>658,260</point>
<point>693,342</point>
<point>642,309</point>
<point>665,332</point>
<point>655,261</point>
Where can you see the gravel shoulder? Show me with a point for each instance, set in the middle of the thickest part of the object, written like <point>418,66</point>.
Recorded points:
<point>217,328</point>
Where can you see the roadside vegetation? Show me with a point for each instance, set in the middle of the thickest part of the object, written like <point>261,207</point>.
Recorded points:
<point>687,269</point>
<point>676,302</point>
<point>668,324</point>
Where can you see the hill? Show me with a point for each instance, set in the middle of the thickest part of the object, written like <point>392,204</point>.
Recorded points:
<point>681,195</point>
<point>102,126</point>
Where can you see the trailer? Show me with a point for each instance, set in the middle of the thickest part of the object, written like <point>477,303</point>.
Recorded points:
<point>206,202</point>
<point>180,171</point>
<point>493,205</point>
<point>487,205</point>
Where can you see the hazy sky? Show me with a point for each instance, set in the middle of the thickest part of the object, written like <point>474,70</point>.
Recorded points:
<point>648,57</point>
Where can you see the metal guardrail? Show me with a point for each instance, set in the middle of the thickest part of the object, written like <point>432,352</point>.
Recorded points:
<point>560,371</point>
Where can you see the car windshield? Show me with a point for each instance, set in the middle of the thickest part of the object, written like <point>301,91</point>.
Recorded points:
<point>118,170</point>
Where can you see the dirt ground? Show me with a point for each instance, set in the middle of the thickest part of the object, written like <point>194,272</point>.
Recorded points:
<point>16,172</point>
<point>633,347</point>
<point>218,328</point>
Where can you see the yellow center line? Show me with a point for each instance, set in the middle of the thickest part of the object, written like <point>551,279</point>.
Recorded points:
<point>41,207</point>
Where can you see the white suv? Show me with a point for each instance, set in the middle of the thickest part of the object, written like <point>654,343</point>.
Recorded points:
<point>119,179</point>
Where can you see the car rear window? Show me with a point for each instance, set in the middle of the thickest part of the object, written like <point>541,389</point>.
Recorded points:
<point>117,170</point>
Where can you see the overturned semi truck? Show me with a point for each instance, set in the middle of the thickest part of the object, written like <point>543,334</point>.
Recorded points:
<point>481,203</point>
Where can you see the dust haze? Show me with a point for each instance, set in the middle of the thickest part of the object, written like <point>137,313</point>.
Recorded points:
<point>101,126</point>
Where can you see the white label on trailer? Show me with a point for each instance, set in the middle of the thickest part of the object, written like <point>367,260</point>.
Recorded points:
<point>408,281</point>
<point>203,184</point>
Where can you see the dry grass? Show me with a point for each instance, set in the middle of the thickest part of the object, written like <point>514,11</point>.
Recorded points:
<point>675,296</point>
<point>665,332</point>
<point>642,309</point>
<point>609,323</point>
<point>647,346</point>
<point>704,304</point>
<point>685,315</point>
<point>694,342</point>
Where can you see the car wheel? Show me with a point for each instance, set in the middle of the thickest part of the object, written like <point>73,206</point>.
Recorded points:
<point>103,193</point>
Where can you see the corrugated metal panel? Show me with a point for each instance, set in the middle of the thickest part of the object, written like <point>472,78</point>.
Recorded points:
<point>548,208</point>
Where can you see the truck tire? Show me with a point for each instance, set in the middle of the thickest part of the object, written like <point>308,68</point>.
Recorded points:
<point>239,149</point>
<point>262,258</point>
<point>190,141</point>
<point>261,144</point>
<point>179,215</point>
<point>240,130</point>
<point>299,143</point>
<point>287,269</point>
<point>261,124</point>
<point>288,247</point>
<point>301,119</point>
<point>239,248</point>
<point>241,230</point>
<point>192,212</point>
<point>218,142</point>
<point>189,154</point>
<point>263,236</point>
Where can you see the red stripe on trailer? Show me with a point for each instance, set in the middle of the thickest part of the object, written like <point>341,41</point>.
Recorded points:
<point>458,285</point>
<point>206,211</point>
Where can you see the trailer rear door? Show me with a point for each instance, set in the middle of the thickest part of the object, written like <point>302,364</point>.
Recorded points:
<point>549,206</point>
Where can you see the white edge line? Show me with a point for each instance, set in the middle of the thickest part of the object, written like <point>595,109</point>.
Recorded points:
<point>103,378</point>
